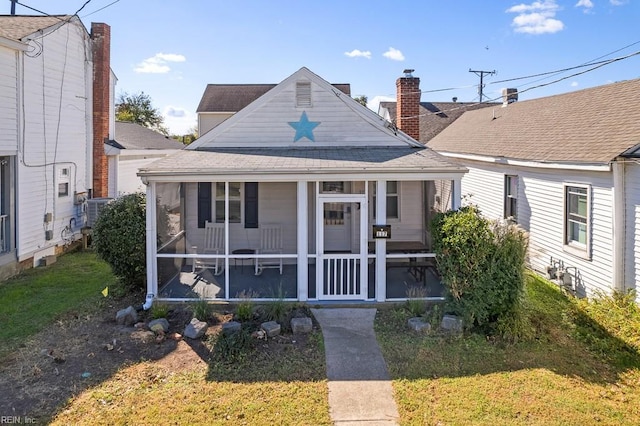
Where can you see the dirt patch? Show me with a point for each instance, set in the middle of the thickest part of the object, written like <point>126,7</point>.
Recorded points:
<point>80,351</point>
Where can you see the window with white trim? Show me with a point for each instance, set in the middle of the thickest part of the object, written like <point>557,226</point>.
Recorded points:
<point>235,202</point>
<point>511,198</point>
<point>63,182</point>
<point>393,200</point>
<point>576,217</point>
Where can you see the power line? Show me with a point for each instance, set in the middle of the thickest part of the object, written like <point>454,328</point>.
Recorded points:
<point>102,8</point>
<point>82,7</point>
<point>481,74</point>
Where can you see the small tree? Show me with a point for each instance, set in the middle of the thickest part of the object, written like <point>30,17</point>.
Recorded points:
<point>119,238</point>
<point>362,100</point>
<point>482,265</point>
<point>137,108</point>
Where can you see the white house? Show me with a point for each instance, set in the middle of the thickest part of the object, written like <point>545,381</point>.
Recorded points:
<point>47,138</point>
<point>285,199</point>
<point>134,146</point>
<point>566,168</point>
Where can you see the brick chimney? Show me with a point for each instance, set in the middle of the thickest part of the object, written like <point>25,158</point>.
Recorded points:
<point>408,104</point>
<point>101,48</point>
<point>509,96</point>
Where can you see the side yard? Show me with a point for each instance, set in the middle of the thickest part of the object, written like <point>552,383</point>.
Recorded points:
<point>582,367</point>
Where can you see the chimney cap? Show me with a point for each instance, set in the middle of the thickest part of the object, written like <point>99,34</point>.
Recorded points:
<point>407,72</point>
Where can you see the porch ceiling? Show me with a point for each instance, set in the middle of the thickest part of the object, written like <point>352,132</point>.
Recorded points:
<point>277,161</point>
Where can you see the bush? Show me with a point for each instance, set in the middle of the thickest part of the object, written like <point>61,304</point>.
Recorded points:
<point>482,265</point>
<point>119,238</point>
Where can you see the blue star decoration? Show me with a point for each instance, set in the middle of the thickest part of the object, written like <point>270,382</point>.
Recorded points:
<point>304,127</point>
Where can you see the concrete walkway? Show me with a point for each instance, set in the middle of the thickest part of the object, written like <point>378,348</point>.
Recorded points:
<point>360,391</point>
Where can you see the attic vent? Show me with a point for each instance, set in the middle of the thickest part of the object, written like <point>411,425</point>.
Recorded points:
<point>303,93</point>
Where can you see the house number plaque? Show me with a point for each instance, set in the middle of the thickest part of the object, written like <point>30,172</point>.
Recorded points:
<point>381,231</point>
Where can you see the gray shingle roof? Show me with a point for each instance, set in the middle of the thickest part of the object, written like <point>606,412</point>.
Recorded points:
<point>300,161</point>
<point>135,136</point>
<point>234,97</point>
<point>588,126</point>
<point>435,116</point>
<point>18,27</point>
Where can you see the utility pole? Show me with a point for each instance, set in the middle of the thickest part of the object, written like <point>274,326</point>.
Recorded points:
<point>13,7</point>
<point>481,75</point>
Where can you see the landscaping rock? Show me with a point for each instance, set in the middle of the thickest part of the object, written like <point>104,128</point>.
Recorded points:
<point>159,325</point>
<point>419,325</point>
<point>127,317</point>
<point>195,329</point>
<point>231,327</point>
<point>272,328</point>
<point>145,336</point>
<point>451,324</point>
<point>301,325</point>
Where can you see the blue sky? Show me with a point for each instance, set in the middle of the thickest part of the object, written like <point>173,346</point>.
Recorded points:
<point>172,49</point>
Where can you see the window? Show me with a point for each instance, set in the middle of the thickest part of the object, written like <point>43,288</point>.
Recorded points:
<point>577,216</point>
<point>63,182</point>
<point>393,200</point>
<point>235,202</point>
<point>511,198</point>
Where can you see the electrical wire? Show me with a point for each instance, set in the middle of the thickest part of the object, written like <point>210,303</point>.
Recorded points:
<point>102,8</point>
<point>82,7</point>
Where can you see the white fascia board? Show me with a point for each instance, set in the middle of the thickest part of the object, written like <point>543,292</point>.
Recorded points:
<point>592,167</point>
<point>12,44</point>
<point>111,150</point>
<point>297,176</point>
<point>148,152</point>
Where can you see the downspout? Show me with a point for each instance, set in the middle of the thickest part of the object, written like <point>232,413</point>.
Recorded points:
<point>151,245</point>
<point>619,225</point>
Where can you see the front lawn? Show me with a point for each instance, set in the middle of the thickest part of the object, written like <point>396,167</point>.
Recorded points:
<point>575,371</point>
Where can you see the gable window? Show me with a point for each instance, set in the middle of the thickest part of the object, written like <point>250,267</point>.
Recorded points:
<point>63,182</point>
<point>576,217</point>
<point>235,202</point>
<point>511,198</point>
<point>393,200</point>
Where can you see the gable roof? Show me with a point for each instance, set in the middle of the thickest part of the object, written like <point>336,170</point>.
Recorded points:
<point>588,126</point>
<point>135,136</point>
<point>20,26</point>
<point>434,116</point>
<point>337,120</point>
<point>234,97</point>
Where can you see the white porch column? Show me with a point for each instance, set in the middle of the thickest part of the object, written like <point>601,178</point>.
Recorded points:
<point>152,245</point>
<point>456,196</point>
<point>303,242</point>
<point>381,243</point>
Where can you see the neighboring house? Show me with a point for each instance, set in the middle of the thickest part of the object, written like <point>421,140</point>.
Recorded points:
<point>49,89</point>
<point>221,101</point>
<point>295,180</point>
<point>566,168</point>
<point>134,146</point>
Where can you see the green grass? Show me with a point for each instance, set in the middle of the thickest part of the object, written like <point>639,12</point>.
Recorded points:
<point>576,369</point>
<point>32,300</point>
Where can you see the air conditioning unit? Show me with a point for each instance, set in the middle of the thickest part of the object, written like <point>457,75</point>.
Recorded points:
<point>94,207</point>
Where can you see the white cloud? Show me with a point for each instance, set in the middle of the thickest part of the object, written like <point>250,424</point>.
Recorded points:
<point>587,4</point>
<point>393,54</point>
<point>618,2</point>
<point>537,17</point>
<point>355,53</point>
<point>175,112</point>
<point>574,84</point>
<point>157,64</point>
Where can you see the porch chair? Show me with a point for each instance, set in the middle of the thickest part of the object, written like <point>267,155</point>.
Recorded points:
<point>270,243</point>
<point>213,244</point>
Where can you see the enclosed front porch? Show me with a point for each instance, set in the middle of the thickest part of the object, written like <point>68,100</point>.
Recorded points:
<point>227,240</point>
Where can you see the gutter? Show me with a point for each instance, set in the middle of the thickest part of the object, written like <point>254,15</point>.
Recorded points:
<point>593,167</point>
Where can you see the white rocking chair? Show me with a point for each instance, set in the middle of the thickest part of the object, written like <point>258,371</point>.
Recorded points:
<point>213,244</point>
<point>270,243</point>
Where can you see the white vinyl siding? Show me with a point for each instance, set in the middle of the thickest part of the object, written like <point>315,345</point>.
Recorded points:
<point>541,212</point>
<point>57,131</point>
<point>9,104</point>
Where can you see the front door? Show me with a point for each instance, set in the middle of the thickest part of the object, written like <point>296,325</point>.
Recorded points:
<point>342,251</point>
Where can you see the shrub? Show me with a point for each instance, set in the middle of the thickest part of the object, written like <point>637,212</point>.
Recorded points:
<point>482,265</point>
<point>119,238</point>
<point>416,305</point>
<point>159,310</point>
<point>244,310</point>
<point>201,310</point>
